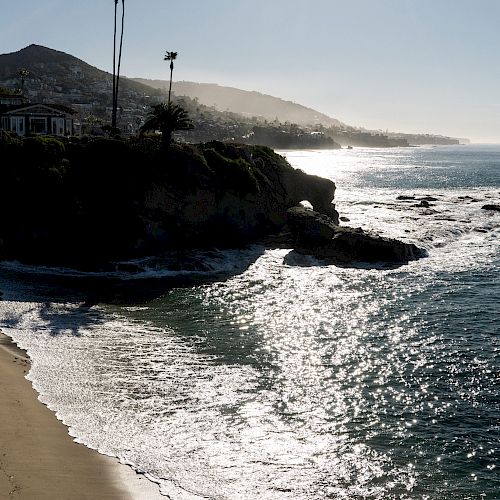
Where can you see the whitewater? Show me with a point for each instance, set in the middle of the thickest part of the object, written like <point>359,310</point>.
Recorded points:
<point>263,373</point>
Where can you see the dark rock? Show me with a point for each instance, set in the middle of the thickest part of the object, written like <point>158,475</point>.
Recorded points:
<point>424,204</point>
<point>494,208</point>
<point>449,219</point>
<point>215,215</point>
<point>316,234</point>
<point>428,198</point>
<point>404,197</point>
<point>345,219</point>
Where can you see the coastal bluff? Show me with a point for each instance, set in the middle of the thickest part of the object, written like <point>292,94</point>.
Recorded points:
<point>87,202</point>
<point>231,194</point>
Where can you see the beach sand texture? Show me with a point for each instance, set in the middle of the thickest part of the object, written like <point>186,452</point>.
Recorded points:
<point>39,459</point>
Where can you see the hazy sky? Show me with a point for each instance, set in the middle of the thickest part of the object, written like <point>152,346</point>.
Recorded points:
<point>405,65</point>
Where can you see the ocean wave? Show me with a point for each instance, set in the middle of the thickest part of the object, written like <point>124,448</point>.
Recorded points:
<point>169,265</point>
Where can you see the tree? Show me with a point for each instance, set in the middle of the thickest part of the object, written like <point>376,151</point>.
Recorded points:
<point>167,118</point>
<point>119,57</point>
<point>90,122</point>
<point>113,118</point>
<point>116,70</point>
<point>23,74</point>
<point>170,56</point>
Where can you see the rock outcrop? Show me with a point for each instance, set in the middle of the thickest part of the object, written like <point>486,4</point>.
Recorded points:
<point>243,195</point>
<point>86,202</point>
<point>492,208</point>
<point>318,235</point>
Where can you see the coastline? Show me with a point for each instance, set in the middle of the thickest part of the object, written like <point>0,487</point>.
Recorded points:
<point>39,459</point>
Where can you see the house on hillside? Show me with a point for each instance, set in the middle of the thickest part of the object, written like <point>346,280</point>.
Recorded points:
<point>21,117</point>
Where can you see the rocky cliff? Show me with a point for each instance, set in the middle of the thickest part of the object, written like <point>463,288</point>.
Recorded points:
<point>232,194</point>
<point>85,202</point>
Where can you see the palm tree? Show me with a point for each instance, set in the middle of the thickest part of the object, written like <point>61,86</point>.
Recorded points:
<point>113,114</point>
<point>116,71</point>
<point>170,56</point>
<point>167,117</point>
<point>119,58</point>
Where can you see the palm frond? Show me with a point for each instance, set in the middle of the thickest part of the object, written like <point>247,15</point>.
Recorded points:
<point>170,56</point>
<point>167,118</point>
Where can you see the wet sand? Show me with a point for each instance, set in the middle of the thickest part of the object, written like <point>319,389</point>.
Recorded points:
<point>39,459</point>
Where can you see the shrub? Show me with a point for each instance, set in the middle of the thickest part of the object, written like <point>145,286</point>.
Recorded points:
<point>233,174</point>
<point>43,152</point>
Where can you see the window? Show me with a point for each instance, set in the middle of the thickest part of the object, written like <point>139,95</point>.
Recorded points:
<point>17,124</point>
<point>38,125</point>
<point>58,126</point>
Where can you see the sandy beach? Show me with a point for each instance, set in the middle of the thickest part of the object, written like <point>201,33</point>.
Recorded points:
<point>39,459</point>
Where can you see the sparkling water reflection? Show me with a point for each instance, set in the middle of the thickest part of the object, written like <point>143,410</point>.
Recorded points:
<point>298,380</point>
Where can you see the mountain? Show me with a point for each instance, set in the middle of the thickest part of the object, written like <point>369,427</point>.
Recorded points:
<point>245,102</point>
<point>57,77</point>
<point>49,66</point>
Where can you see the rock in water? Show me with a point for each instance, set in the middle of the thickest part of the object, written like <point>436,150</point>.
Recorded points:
<point>494,208</point>
<point>318,235</point>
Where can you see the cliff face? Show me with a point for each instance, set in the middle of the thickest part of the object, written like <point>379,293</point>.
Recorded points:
<point>243,196</point>
<point>83,203</point>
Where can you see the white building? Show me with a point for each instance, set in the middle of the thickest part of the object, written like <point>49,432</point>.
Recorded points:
<point>16,115</point>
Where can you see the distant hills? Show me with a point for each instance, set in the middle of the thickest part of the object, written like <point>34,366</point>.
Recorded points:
<point>245,102</point>
<point>57,76</point>
<point>218,112</point>
<point>59,72</point>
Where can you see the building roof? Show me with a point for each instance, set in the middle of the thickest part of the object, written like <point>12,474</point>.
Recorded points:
<point>25,108</point>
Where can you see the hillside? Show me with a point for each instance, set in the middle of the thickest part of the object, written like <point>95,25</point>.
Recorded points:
<point>58,77</point>
<point>245,102</point>
<point>220,113</point>
<point>53,66</point>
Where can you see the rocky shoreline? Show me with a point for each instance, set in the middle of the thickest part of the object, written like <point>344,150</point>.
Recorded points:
<point>318,235</point>
<point>84,204</point>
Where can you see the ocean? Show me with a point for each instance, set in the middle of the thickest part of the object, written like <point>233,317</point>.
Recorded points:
<point>272,375</point>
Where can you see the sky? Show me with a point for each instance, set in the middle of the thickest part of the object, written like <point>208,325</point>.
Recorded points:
<point>429,66</point>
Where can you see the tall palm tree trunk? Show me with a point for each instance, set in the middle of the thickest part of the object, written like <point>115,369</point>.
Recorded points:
<point>113,110</point>
<point>170,86</point>
<point>119,59</point>
<point>170,56</point>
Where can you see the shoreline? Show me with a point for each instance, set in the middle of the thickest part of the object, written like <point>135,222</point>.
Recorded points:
<point>38,457</point>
